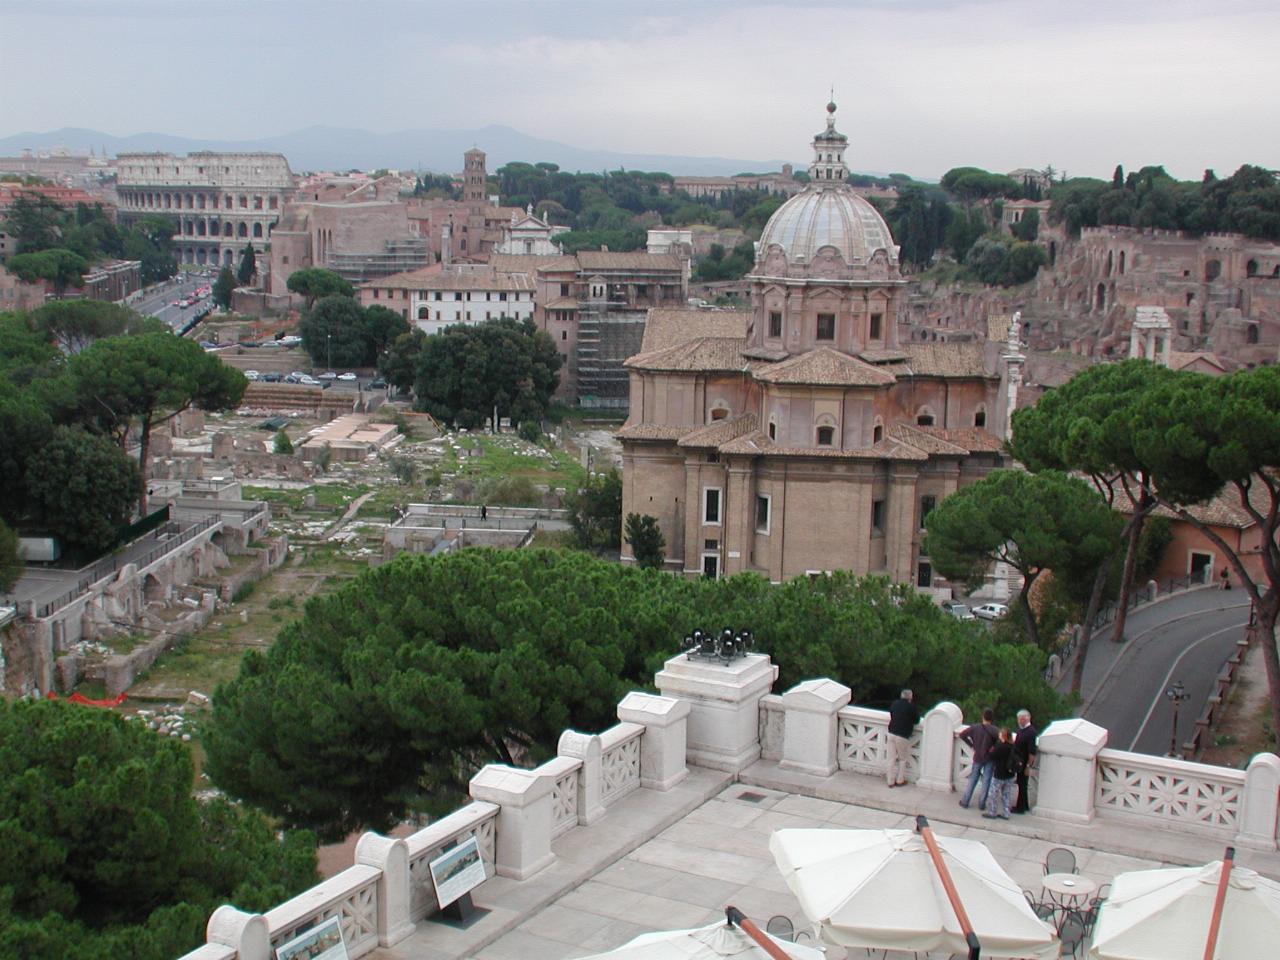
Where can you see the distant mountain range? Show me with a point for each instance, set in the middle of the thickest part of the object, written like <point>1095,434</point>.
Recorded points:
<point>338,148</point>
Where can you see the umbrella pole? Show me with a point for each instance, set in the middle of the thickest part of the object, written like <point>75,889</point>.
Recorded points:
<point>935,854</point>
<point>1228,859</point>
<point>736,917</point>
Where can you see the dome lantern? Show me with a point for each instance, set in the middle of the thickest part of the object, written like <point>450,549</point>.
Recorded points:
<point>828,152</point>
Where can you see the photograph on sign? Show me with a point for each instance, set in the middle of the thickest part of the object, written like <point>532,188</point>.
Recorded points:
<point>321,942</point>
<point>457,871</point>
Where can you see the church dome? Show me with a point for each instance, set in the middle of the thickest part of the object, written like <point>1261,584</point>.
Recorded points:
<point>828,216</point>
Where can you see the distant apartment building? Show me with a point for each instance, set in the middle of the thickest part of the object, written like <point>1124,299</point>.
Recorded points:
<point>437,296</point>
<point>782,184</point>
<point>219,202</point>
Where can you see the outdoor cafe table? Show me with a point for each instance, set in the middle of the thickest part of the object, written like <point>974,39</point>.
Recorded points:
<point>1069,891</point>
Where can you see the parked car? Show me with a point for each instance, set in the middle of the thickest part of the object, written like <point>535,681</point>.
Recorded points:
<point>328,375</point>
<point>292,378</point>
<point>308,381</point>
<point>289,341</point>
<point>249,343</point>
<point>271,378</point>
<point>378,384</point>
<point>957,609</point>
<point>991,611</point>
<point>347,376</point>
<point>251,375</point>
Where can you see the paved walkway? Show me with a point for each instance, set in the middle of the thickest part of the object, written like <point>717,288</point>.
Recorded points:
<point>665,861</point>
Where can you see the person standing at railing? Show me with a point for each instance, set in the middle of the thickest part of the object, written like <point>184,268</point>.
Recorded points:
<point>1002,759</point>
<point>1024,755</point>
<point>903,717</point>
<point>981,737</point>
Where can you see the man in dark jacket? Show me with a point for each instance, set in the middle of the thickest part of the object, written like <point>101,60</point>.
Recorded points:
<point>903,717</point>
<point>981,737</point>
<point>1024,755</point>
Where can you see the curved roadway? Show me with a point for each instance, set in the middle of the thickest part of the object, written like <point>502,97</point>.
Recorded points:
<point>1185,638</point>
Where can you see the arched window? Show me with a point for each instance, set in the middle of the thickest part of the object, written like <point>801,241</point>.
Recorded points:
<point>244,230</point>
<point>1251,268</point>
<point>1251,333</point>
<point>1110,262</point>
<point>424,313</point>
<point>1101,302</point>
<point>925,417</point>
<point>228,230</point>
<point>773,429</point>
<point>877,433</point>
<point>1121,261</point>
<point>257,230</point>
<point>719,410</point>
<point>980,417</point>
<point>826,436</point>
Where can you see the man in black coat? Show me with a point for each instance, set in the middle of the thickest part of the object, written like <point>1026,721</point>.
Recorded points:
<point>1024,752</point>
<point>903,717</point>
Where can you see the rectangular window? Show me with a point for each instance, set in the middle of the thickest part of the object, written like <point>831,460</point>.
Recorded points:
<point>710,566</point>
<point>877,516</point>
<point>926,507</point>
<point>710,544</point>
<point>564,334</point>
<point>764,504</point>
<point>375,293</point>
<point>502,296</point>
<point>564,289</point>
<point>877,321</point>
<point>924,575</point>
<point>711,505</point>
<point>826,326</point>
<point>775,323</point>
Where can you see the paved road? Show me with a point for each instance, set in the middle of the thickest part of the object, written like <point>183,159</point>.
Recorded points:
<point>159,300</point>
<point>1184,638</point>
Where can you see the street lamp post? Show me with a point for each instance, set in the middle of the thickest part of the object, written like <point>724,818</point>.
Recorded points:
<point>328,342</point>
<point>1176,694</point>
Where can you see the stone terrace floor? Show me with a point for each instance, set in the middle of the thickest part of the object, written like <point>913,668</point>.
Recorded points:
<point>665,861</point>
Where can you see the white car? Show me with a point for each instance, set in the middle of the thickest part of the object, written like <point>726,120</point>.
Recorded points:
<point>308,381</point>
<point>328,375</point>
<point>289,341</point>
<point>991,611</point>
<point>347,376</point>
<point>251,374</point>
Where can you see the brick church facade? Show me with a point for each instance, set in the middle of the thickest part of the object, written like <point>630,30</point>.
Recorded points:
<point>801,436</point>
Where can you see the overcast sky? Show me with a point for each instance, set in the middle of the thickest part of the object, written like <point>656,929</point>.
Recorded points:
<point>922,85</point>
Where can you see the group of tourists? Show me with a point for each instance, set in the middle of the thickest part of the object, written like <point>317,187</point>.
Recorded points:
<point>1002,758</point>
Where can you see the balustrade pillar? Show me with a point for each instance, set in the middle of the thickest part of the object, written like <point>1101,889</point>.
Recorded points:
<point>585,747</point>
<point>246,933</point>
<point>1260,803</point>
<point>1068,761</point>
<point>938,747</point>
<point>666,733</point>
<point>391,857</point>
<point>810,730</point>
<point>524,818</point>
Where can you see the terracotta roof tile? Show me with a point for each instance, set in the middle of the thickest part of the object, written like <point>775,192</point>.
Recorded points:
<point>970,440</point>
<point>945,360</point>
<point>929,442</point>
<point>720,432</point>
<point>825,366</point>
<point>531,264</point>
<point>706,354</point>
<point>665,327</point>
<point>651,431</point>
<point>589,260</point>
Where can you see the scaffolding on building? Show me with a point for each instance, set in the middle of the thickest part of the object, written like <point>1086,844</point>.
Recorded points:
<point>608,333</point>
<point>398,257</point>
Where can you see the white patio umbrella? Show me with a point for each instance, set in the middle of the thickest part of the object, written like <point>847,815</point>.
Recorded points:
<point>1165,915</point>
<point>704,943</point>
<point>880,889</point>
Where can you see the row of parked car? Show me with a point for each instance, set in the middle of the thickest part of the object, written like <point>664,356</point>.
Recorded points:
<point>322,380</point>
<point>985,611</point>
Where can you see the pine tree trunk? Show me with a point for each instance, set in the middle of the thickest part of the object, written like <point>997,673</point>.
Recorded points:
<point>1086,628</point>
<point>1024,601</point>
<point>144,452</point>
<point>1136,522</point>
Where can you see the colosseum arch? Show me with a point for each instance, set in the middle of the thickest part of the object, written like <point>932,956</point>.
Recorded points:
<point>1212,270</point>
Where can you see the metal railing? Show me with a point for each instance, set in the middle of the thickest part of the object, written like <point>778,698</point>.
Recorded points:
<point>104,568</point>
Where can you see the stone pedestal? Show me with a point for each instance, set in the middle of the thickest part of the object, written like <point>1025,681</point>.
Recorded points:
<point>811,726</point>
<point>938,747</point>
<point>524,818</point>
<point>1068,762</point>
<point>666,733</point>
<point>1259,804</point>
<point>392,858</point>
<point>724,706</point>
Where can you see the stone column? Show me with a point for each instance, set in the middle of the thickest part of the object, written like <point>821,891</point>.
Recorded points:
<point>585,747</point>
<point>1166,345</point>
<point>740,521</point>
<point>1259,803</point>
<point>246,933</point>
<point>1068,761</point>
<point>524,818</point>
<point>391,857</point>
<point>900,524</point>
<point>1133,342</point>
<point>724,706</point>
<point>811,726</point>
<point>938,747</point>
<point>666,732</point>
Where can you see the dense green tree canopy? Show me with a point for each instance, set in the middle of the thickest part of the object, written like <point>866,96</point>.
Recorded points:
<point>147,379</point>
<point>248,268</point>
<point>316,283</point>
<point>74,324</point>
<point>337,331</point>
<point>648,545</point>
<point>10,558</point>
<point>223,288</point>
<point>401,683</point>
<point>59,267</point>
<point>1033,522</point>
<point>595,512</point>
<point>466,371</point>
<point>74,468</point>
<point>105,853</point>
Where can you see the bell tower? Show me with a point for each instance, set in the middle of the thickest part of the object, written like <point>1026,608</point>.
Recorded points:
<point>828,152</point>
<point>473,180</point>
